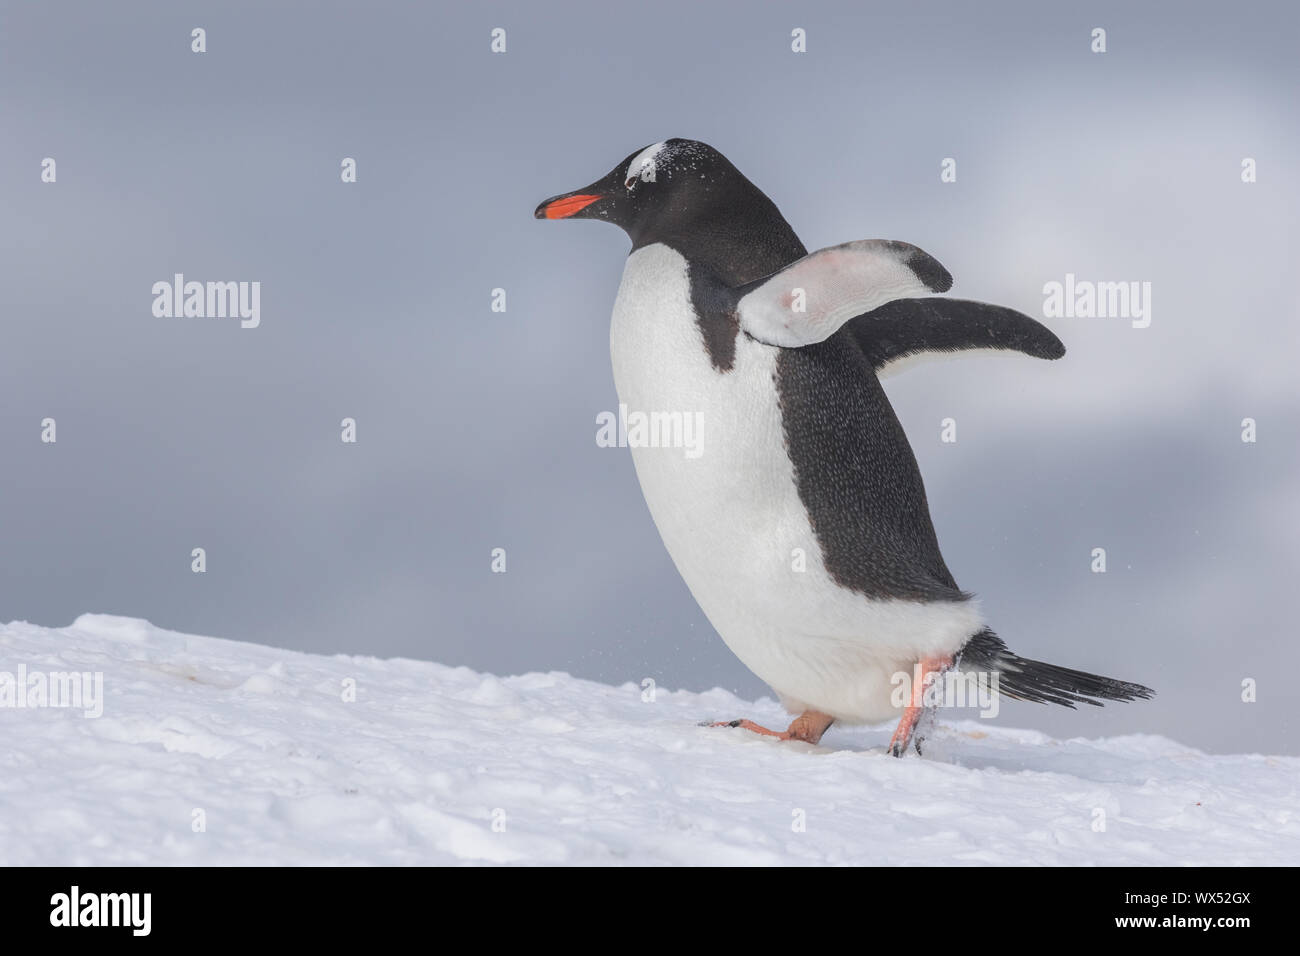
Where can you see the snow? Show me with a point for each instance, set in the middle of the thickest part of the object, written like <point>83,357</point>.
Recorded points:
<point>262,747</point>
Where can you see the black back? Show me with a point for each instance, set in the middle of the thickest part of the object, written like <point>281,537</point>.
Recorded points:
<point>857,476</point>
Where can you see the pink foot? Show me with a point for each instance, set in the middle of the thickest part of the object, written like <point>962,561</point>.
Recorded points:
<point>913,712</point>
<point>808,726</point>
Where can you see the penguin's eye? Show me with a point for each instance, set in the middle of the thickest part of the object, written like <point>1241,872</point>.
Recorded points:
<point>646,175</point>
<point>642,166</point>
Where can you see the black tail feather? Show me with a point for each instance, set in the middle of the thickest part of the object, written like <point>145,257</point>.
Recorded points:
<point>1023,679</point>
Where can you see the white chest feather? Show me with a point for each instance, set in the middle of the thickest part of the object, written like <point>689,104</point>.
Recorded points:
<point>730,516</point>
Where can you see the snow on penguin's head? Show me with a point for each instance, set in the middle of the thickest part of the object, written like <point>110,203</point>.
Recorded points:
<point>663,189</point>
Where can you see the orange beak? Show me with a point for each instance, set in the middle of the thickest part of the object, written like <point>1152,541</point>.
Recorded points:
<point>565,206</point>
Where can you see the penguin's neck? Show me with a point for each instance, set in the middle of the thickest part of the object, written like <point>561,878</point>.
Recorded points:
<point>738,245</point>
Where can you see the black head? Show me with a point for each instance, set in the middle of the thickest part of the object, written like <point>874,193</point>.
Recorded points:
<point>688,195</point>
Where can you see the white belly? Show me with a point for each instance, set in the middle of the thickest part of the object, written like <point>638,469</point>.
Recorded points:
<point>730,515</point>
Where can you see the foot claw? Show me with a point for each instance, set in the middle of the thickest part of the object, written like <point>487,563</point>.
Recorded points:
<point>750,725</point>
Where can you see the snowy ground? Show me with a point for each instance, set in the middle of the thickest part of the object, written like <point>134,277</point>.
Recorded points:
<point>260,746</point>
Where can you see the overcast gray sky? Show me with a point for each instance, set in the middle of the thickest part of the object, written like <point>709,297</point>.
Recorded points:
<point>477,429</point>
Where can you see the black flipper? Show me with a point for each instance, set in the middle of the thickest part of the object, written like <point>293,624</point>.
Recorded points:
<point>1022,679</point>
<point>907,327</point>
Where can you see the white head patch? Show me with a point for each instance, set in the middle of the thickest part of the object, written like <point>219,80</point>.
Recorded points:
<point>643,166</point>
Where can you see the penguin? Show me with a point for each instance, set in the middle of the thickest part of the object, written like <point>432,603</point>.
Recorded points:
<point>801,527</point>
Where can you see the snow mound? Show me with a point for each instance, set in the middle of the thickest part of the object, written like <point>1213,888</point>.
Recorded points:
<point>211,751</point>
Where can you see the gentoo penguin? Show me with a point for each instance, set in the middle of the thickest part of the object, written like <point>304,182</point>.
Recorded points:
<point>801,526</point>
